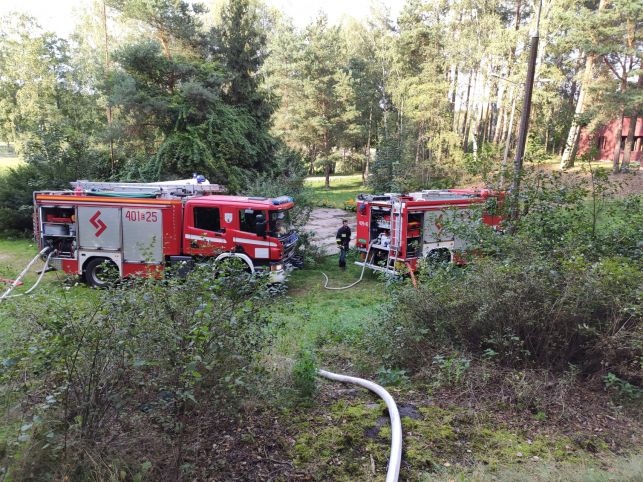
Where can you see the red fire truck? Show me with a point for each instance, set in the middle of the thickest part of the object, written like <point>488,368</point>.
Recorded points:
<point>395,231</point>
<point>142,227</point>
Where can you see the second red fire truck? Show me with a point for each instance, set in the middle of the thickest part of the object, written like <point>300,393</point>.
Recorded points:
<point>142,228</point>
<point>395,231</point>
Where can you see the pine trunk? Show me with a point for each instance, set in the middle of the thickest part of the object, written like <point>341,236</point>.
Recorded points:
<point>627,153</point>
<point>629,143</point>
<point>368,146</point>
<point>466,108</point>
<point>508,140</point>
<point>569,154</point>
<point>616,158</point>
<point>501,115</point>
<point>455,89</point>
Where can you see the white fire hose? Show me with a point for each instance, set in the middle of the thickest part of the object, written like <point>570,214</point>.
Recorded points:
<point>395,459</point>
<point>361,276</point>
<point>16,282</point>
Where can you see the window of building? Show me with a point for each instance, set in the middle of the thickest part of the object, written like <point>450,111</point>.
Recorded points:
<point>248,219</point>
<point>207,218</point>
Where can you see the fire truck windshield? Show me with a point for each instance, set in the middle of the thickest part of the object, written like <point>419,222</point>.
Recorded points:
<point>280,223</point>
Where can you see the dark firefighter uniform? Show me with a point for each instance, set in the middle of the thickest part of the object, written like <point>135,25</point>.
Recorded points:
<point>343,238</point>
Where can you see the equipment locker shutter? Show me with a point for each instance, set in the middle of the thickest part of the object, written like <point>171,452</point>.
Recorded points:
<point>99,228</point>
<point>142,235</point>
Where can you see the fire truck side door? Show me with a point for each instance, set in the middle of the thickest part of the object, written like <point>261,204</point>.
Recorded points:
<point>204,235</point>
<point>99,227</point>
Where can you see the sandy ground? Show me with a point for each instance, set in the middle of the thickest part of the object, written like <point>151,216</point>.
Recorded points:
<point>325,222</point>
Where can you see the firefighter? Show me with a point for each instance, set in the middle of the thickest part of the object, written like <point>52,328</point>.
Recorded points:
<point>343,238</point>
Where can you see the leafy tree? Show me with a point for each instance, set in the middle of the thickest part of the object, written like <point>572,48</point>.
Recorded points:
<point>49,110</point>
<point>180,109</point>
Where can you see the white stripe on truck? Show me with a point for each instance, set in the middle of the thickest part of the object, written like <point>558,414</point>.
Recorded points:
<point>205,238</point>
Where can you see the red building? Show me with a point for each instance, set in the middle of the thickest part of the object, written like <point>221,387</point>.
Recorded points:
<point>604,139</point>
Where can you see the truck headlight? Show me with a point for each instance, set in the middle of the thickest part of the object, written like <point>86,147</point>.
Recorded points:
<point>277,267</point>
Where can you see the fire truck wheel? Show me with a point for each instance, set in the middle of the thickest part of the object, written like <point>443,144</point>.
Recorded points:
<point>231,265</point>
<point>439,256</point>
<point>99,272</point>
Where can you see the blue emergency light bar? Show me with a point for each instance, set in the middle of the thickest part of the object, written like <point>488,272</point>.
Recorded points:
<point>282,200</point>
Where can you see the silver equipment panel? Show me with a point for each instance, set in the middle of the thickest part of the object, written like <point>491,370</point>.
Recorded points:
<point>99,228</point>
<point>142,235</point>
<point>434,221</point>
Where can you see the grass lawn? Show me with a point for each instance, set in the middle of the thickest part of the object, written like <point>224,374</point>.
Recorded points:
<point>342,189</point>
<point>7,163</point>
<point>14,256</point>
<point>329,322</point>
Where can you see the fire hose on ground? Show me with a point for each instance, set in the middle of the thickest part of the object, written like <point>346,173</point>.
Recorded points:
<point>361,276</point>
<point>395,459</point>
<point>17,281</point>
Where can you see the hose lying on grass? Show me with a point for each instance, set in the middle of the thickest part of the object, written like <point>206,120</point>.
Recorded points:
<point>361,276</point>
<point>17,281</point>
<point>395,459</point>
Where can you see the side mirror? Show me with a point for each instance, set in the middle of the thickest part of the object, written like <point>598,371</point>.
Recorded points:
<point>260,225</point>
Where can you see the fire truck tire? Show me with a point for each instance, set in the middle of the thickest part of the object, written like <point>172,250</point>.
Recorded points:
<point>439,256</point>
<point>94,272</point>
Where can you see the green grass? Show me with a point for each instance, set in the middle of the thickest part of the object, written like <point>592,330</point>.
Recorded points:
<point>309,316</point>
<point>14,256</point>
<point>7,163</point>
<point>342,189</point>
<point>329,322</point>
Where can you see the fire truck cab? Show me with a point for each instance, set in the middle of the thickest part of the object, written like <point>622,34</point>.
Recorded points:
<point>141,228</point>
<point>395,231</point>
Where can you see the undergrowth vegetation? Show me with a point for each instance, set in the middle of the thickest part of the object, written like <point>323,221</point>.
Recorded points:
<point>139,361</point>
<point>528,357</point>
<point>563,290</point>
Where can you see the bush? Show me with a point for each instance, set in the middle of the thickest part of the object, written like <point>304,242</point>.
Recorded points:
<point>304,376</point>
<point>532,312</point>
<point>563,289</point>
<point>115,380</point>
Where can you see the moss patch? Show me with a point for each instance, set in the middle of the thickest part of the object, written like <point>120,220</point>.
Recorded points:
<point>349,440</point>
<point>335,446</point>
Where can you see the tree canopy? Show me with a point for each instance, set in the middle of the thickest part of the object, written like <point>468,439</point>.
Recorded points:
<point>164,88</point>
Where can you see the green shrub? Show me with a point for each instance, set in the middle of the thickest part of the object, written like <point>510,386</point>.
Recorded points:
<point>304,376</point>
<point>391,377</point>
<point>129,366</point>
<point>623,389</point>
<point>531,312</point>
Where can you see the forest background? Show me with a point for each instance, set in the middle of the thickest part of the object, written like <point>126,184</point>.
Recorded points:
<point>150,89</point>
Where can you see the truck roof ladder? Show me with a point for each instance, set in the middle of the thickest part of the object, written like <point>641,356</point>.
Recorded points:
<point>160,189</point>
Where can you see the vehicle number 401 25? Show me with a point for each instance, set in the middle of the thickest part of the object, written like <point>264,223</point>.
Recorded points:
<point>141,216</point>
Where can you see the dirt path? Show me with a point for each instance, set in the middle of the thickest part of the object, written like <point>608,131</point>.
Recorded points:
<point>325,222</point>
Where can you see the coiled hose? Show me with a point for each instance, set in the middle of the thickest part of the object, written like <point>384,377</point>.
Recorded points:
<point>16,282</point>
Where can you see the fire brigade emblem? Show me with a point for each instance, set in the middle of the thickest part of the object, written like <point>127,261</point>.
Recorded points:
<point>227,217</point>
<point>98,224</point>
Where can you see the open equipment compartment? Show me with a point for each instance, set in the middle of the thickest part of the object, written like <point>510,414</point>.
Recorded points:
<point>380,233</point>
<point>414,240</point>
<point>58,228</point>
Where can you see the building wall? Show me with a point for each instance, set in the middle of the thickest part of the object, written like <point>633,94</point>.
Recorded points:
<point>605,140</point>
